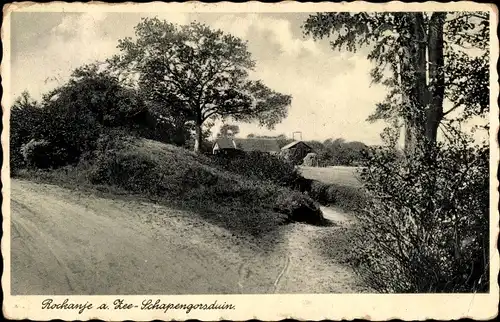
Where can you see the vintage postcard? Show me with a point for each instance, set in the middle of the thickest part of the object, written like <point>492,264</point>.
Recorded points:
<point>250,161</point>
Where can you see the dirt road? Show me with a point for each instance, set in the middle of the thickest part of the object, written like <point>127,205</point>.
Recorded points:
<point>308,268</point>
<point>70,242</point>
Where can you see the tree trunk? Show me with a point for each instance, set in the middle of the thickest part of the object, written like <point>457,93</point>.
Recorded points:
<point>414,82</point>
<point>198,137</point>
<point>425,95</point>
<point>434,113</point>
<point>420,63</point>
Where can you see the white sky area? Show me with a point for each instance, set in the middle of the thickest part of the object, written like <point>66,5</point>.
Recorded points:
<point>331,90</point>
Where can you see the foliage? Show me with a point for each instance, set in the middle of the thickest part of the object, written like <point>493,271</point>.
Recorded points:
<point>426,226</point>
<point>338,152</point>
<point>72,117</point>
<point>409,51</point>
<point>228,130</point>
<point>467,69</point>
<point>66,134</point>
<point>70,134</point>
<point>37,154</point>
<point>197,73</point>
<point>93,91</point>
<point>139,172</point>
<point>168,173</point>
<point>260,166</point>
<point>347,198</point>
<point>163,127</point>
<point>24,116</point>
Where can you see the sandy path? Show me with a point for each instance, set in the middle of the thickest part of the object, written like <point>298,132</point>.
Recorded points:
<point>68,242</point>
<point>306,265</point>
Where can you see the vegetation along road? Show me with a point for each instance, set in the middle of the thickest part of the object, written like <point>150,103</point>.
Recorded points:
<point>71,242</point>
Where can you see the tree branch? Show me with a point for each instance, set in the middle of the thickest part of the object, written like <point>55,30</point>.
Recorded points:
<point>206,116</point>
<point>451,110</point>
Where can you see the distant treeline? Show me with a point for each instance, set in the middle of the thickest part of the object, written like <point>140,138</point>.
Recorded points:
<point>331,152</point>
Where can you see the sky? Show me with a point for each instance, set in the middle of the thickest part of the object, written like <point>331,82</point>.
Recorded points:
<point>331,91</point>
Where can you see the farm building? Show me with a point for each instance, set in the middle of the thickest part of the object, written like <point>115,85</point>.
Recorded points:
<point>296,151</point>
<point>234,145</point>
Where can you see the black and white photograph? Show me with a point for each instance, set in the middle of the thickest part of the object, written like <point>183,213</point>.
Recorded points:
<point>201,161</point>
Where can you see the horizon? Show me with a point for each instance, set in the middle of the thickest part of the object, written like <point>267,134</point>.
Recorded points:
<point>277,136</point>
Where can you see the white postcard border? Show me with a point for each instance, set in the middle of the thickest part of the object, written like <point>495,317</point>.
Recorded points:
<point>263,307</point>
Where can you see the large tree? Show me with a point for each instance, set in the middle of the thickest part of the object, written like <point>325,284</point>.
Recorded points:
<point>92,92</point>
<point>423,58</point>
<point>424,227</point>
<point>200,72</point>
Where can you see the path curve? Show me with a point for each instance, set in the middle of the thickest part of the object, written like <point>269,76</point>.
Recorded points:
<point>69,242</point>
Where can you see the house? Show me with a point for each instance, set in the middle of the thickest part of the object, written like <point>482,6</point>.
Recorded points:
<point>234,145</point>
<point>262,145</point>
<point>296,151</point>
<point>222,144</point>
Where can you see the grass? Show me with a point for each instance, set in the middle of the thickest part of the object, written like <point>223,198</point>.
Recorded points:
<point>337,187</point>
<point>339,175</point>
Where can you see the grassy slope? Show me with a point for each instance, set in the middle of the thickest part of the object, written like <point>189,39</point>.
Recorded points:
<point>179,178</point>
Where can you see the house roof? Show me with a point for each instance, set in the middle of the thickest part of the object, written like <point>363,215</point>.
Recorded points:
<point>294,143</point>
<point>263,145</point>
<point>224,143</point>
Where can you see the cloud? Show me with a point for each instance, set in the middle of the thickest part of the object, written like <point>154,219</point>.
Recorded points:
<point>179,18</point>
<point>77,40</point>
<point>278,31</point>
<point>82,24</point>
<point>332,92</point>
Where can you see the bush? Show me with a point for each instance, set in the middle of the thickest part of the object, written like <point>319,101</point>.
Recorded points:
<point>37,154</point>
<point>51,130</point>
<point>73,116</point>
<point>174,174</point>
<point>73,132</point>
<point>298,207</point>
<point>25,115</point>
<point>126,165</point>
<point>345,197</point>
<point>260,166</point>
<point>426,226</point>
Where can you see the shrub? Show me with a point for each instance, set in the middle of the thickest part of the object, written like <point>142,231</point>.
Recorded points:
<point>63,136</point>
<point>298,207</point>
<point>426,226</point>
<point>127,166</point>
<point>174,174</point>
<point>73,116</point>
<point>73,132</point>
<point>37,154</point>
<point>25,115</point>
<point>260,166</point>
<point>347,198</point>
